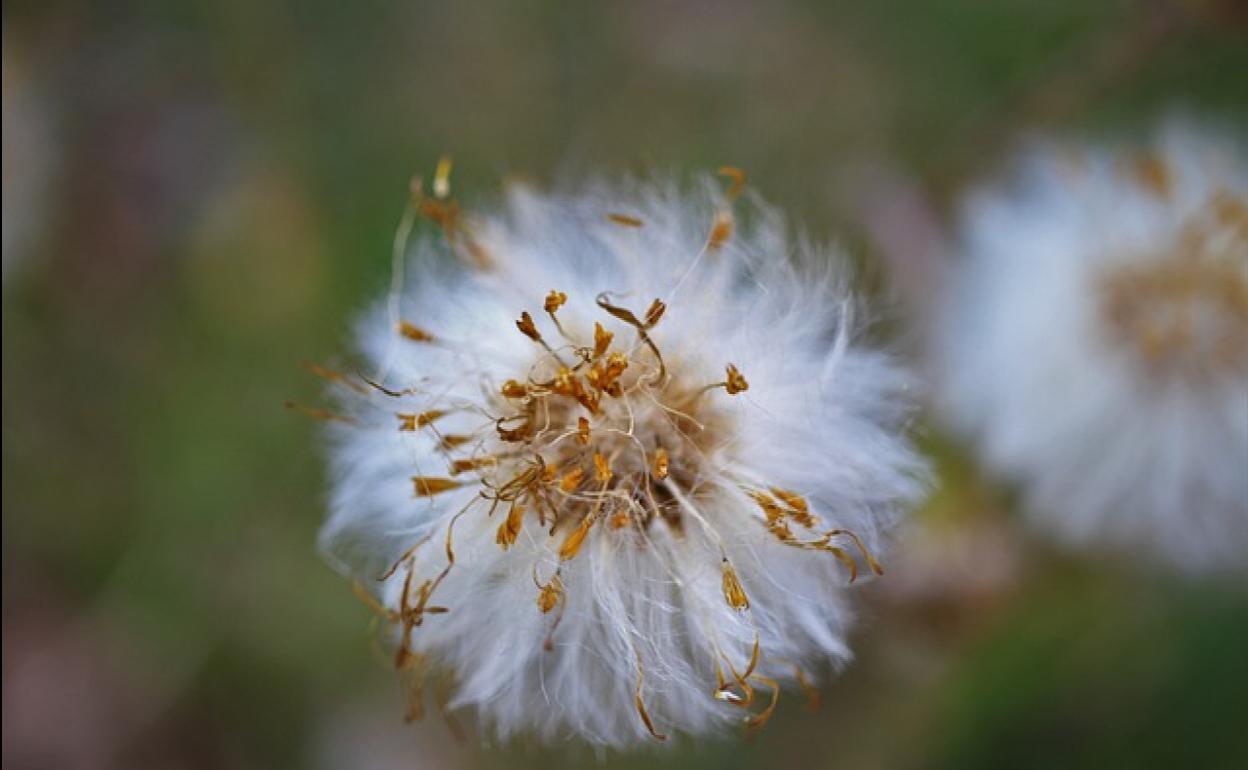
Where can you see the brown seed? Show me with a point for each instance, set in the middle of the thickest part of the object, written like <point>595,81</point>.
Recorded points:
<point>734,594</point>
<point>428,486</point>
<point>414,333</point>
<point>625,219</point>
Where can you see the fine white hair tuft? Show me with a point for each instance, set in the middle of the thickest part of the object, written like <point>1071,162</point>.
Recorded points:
<point>616,459</point>
<point>1095,343</point>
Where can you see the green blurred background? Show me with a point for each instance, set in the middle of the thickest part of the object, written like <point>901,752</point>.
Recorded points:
<point>199,196</point>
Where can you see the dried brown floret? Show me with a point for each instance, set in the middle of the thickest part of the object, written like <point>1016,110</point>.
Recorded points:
<point>528,328</point>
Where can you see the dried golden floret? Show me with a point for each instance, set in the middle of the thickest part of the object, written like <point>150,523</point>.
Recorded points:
<point>551,595</point>
<point>602,339</point>
<point>554,301</point>
<point>736,381</point>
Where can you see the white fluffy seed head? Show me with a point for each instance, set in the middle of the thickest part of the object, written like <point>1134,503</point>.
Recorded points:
<point>1095,343</point>
<point>617,462</point>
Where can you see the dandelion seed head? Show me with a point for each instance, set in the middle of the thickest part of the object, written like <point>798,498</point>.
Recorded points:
<point>614,472</point>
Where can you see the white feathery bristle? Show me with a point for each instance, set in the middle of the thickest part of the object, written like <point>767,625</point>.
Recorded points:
<point>1095,343</point>
<point>616,539</point>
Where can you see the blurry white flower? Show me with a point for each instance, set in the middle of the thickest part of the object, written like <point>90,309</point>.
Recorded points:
<point>1096,344</point>
<point>618,463</point>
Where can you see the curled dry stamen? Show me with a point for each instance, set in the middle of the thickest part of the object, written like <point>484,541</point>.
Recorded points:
<point>653,314</point>
<point>791,505</point>
<point>738,181</point>
<point>641,705</point>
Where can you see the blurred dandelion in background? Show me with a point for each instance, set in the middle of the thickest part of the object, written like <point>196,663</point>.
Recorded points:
<point>637,508</point>
<point>1096,342</point>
